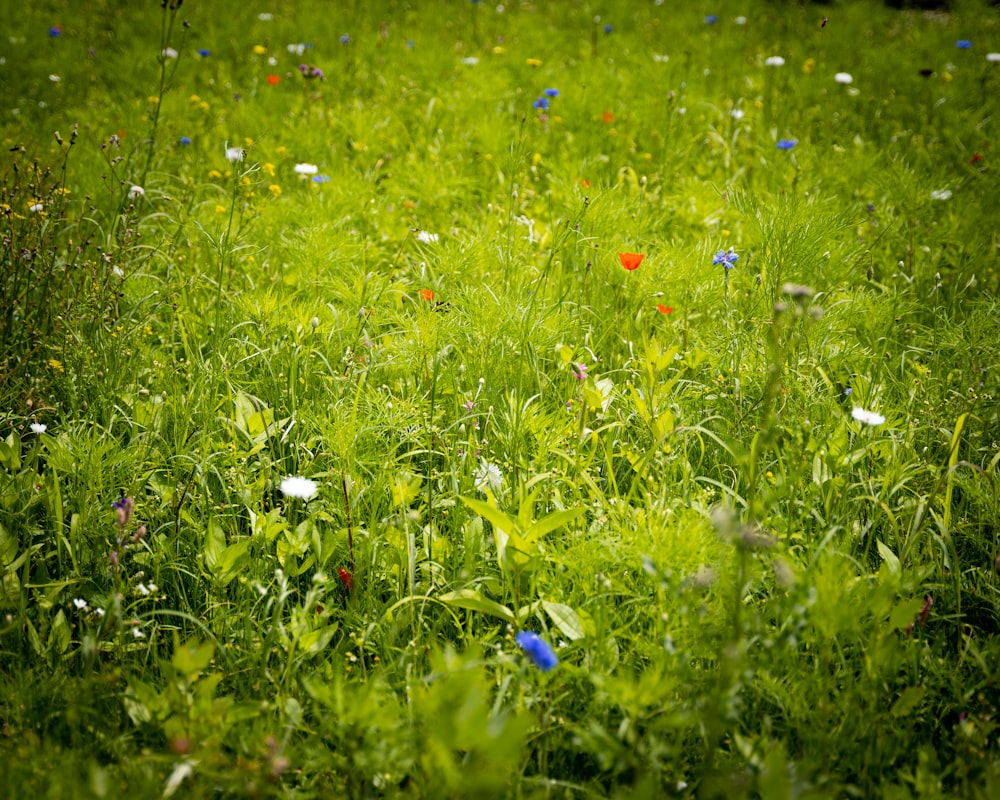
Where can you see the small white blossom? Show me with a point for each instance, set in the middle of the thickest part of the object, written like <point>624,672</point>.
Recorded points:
<point>169,52</point>
<point>138,634</point>
<point>265,16</point>
<point>54,78</point>
<point>234,154</point>
<point>740,20</point>
<point>736,113</point>
<point>941,194</point>
<point>34,208</point>
<point>38,427</point>
<point>470,61</point>
<point>427,238</point>
<point>99,612</point>
<point>774,61</point>
<point>993,58</point>
<point>844,78</point>
<point>306,169</point>
<point>136,191</point>
<point>297,49</point>
<point>80,603</point>
<point>488,476</point>
<point>302,488</point>
<point>660,59</point>
<point>867,417</point>
<point>142,589</point>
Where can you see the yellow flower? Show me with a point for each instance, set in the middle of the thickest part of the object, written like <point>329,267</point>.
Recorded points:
<point>946,76</point>
<point>809,66</point>
<point>214,173</point>
<point>195,99</point>
<point>220,209</point>
<point>274,189</point>
<point>259,49</point>
<point>281,150</point>
<point>203,105</point>
<point>725,233</point>
<point>268,169</point>
<point>56,365</point>
<point>499,51</point>
<point>248,141</point>
<point>153,100</point>
<point>534,62</point>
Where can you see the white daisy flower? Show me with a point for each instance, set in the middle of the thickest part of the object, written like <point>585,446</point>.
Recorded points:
<point>302,488</point>
<point>844,78</point>
<point>80,603</point>
<point>867,417</point>
<point>306,169</point>
<point>488,476</point>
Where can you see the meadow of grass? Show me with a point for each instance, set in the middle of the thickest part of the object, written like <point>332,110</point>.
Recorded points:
<point>744,490</point>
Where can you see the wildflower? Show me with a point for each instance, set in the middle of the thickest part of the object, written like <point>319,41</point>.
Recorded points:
<point>727,258</point>
<point>34,208</point>
<point>631,261</point>
<point>737,113</point>
<point>55,364</point>
<point>204,53</point>
<point>551,93</point>
<point>314,323</point>
<point>123,507</point>
<point>580,372</point>
<point>142,589</point>
<point>259,49</point>
<point>273,80</point>
<point>993,58</point>
<point>54,31</point>
<point>844,78</point>
<point>306,169</point>
<point>302,488</point>
<point>711,19</point>
<point>607,117</point>
<point>54,78</point>
<point>274,189</point>
<point>234,154</point>
<point>963,44</point>
<point>426,294</point>
<point>346,578</point>
<point>660,58</point>
<point>538,650</point>
<point>80,603</point>
<point>488,476</point>
<point>740,20</point>
<point>664,309</point>
<point>774,61</point>
<point>321,178</point>
<point>345,39</point>
<point>426,237</point>
<point>136,191</point>
<point>38,427</point>
<point>867,417</point>
<point>533,62</point>
<point>169,52</point>
<point>470,61</point>
<point>941,194</point>
<point>309,72</point>
<point>786,144</point>
<point>809,65</point>
<point>185,140</point>
<point>542,104</point>
<point>138,634</point>
<point>265,16</point>
<point>976,157</point>
<point>608,29</point>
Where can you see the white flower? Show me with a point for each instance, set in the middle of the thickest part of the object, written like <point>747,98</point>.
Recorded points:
<point>774,61</point>
<point>470,61</point>
<point>99,612</point>
<point>303,488</point>
<point>141,589</point>
<point>843,77</point>
<point>136,191</point>
<point>993,58</point>
<point>80,603</point>
<point>306,169</point>
<point>941,194</point>
<point>169,52</point>
<point>488,476</point>
<point>138,634</point>
<point>736,113</point>
<point>34,208</point>
<point>37,427</point>
<point>740,20</point>
<point>296,49</point>
<point>264,16</point>
<point>54,78</point>
<point>660,59</point>
<point>867,417</point>
<point>427,238</point>
<point>234,154</point>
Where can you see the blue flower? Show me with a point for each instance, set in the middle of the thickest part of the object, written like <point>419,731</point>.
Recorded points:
<point>537,649</point>
<point>727,258</point>
<point>542,104</point>
<point>711,19</point>
<point>55,30</point>
<point>786,144</point>
<point>204,53</point>
<point>321,178</point>
<point>345,39</point>
<point>963,44</point>
<point>551,92</point>
<point>185,140</point>
<point>608,29</point>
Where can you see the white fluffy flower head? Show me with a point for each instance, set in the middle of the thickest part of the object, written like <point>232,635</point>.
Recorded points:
<point>867,417</point>
<point>302,488</point>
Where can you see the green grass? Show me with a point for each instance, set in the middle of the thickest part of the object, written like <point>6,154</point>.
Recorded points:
<point>750,592</point>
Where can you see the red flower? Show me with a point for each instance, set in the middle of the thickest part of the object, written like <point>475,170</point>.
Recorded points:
<point>607,117</point>
<point>274,80</point>
<point>664,309</point>
<point>975,157</point>
<point>426,294</point>
<point>347,578</point>
<point>631,261</point>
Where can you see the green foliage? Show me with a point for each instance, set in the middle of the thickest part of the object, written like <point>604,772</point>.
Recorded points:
<point>754,511</point>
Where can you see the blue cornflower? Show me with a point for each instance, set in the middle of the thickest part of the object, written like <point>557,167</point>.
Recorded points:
<point>963,44</point>
<point>786,144</point>
<point>185,140</point>
<point>321,178</point>
<point>542,104</point>
<point>204,53</point>
<point>345,39</point>
<point>551,93</point>
<point>55,30</point>
<point>727,258</point>
<point>537,649</point>
<point>609,29</point>
<point>711,19</point>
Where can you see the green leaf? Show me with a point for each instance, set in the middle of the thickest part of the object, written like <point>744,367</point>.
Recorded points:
<point>233,560</point>
<point>888,557</point>
<point>214,544</point>
<point>905,613</point>
<point>908,701</point>
<point>494,515</point>
<point>552,521</point>
<point>59,637</point>
<point>315,641</point>
<point>566,620</point>
<point>192,657</point>
<point>474,600</point>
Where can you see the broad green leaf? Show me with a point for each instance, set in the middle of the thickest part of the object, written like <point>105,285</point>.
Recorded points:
<point>905,613</point>
<point>565,619</point>
<point>59,637</point>
<point>192,657</point>
<point>473,600</point>
<point>233,560</point>
<point>315,641</point>
<point>549,523</point>
<point>908,700</point>
<point>214,544</point>
<point>888,557</point>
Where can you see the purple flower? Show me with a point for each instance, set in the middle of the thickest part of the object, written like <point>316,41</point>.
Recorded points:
<point>309,71</point>
<point>580,372</point>
<point>538,650</point>
<point>345,39</point>
<point>727,258</point>
<point>786,144</point>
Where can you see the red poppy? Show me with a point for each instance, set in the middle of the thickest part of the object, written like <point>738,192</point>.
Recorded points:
<point>346,577</point>
<point>584,183</point>
<point>631,261</point>
<point>975,157</point>
<point>664,309</point>
<point>274,80</point>
<point>607,117</point>
<point>426,294</point>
